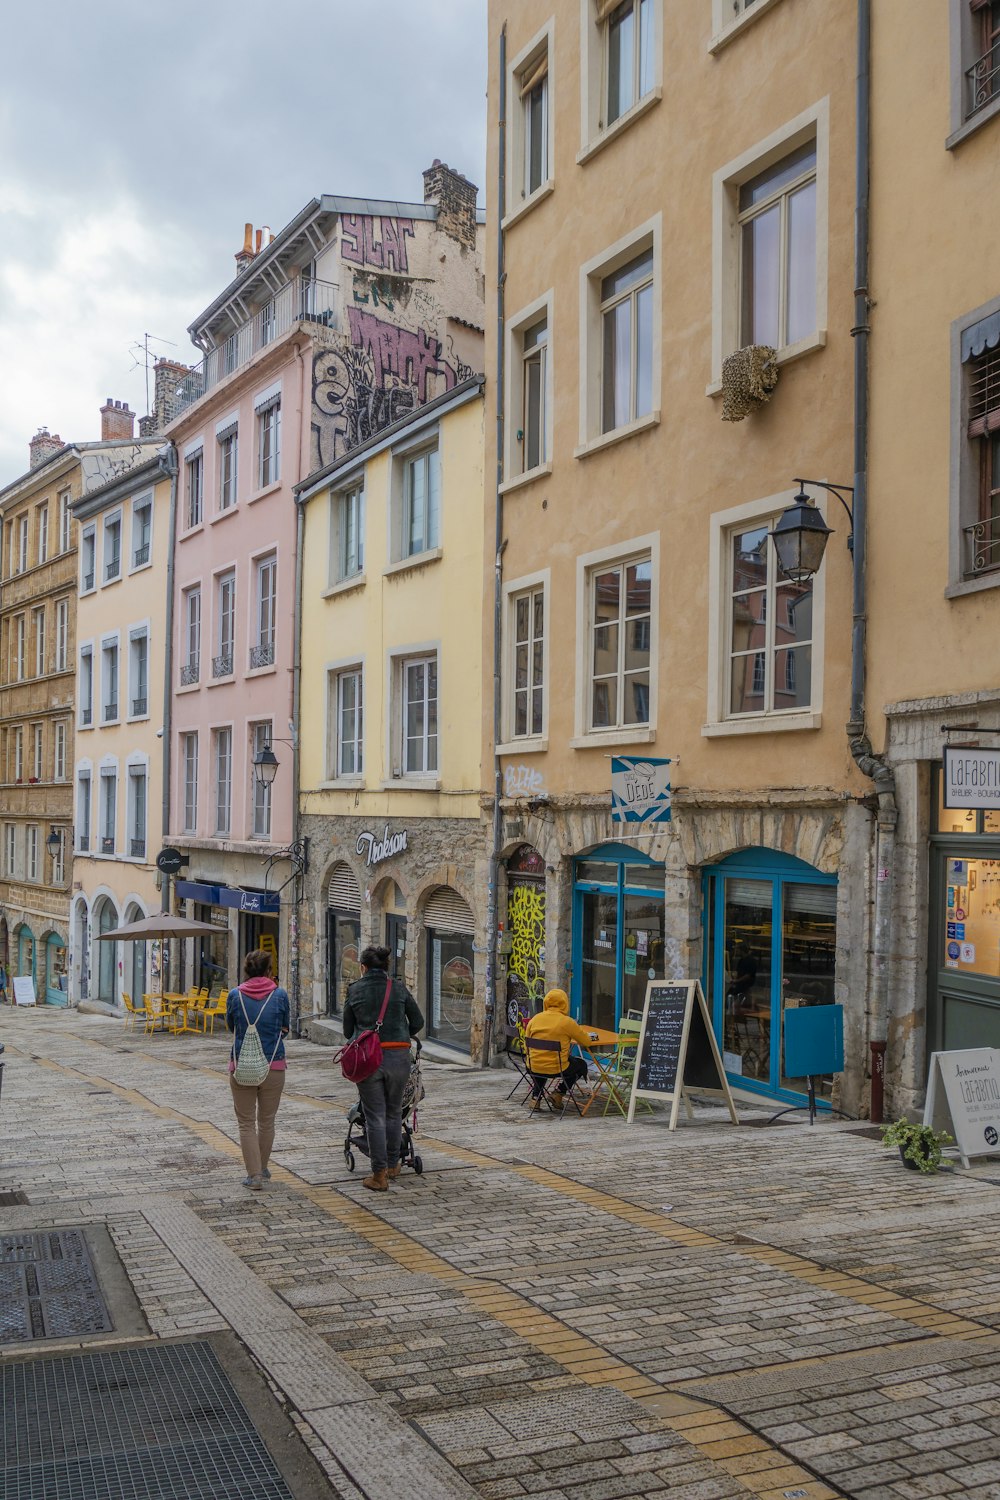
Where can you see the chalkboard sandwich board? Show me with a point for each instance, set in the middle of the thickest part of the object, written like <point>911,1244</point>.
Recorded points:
<point>677,1054</point>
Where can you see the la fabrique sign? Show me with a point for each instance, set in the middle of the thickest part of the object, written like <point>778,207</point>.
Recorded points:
<point>375,849</point>
<point>971,777</point>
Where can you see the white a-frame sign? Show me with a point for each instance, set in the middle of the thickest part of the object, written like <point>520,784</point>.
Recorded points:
<point>677,1053</point>
<point>963,1096</point>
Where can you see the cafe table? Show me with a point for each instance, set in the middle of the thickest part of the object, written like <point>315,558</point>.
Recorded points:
<point>601,1051</point>
<point>179,1005</point>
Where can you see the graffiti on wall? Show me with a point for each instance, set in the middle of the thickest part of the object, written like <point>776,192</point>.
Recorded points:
<point>384,248</point>
<point>409,356</point>
<point>525,964</point>
<point>522,781</point>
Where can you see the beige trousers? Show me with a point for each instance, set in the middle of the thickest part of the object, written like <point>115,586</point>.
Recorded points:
<point>256,1109</point>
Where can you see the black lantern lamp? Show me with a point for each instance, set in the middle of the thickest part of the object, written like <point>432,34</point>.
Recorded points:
<point>54,843</point>
<point>265,766</point>
<point>800,533</point>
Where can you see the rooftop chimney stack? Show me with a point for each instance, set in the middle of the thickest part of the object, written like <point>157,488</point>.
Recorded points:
<point>455,199</point>
<point>245,256</point>
<point>43,445</point>
<point>117,422</point>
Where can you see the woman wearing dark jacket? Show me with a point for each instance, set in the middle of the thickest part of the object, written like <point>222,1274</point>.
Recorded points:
<point>382,1093</point>
<point>260,1000</point>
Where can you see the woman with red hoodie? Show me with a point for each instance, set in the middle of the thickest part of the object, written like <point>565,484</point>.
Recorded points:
<point>262,1002</point>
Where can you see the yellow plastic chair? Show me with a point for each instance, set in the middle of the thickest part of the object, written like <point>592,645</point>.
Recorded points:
<point>132,1013</point>
<point>215,1010</point>
<point>157,1016</point>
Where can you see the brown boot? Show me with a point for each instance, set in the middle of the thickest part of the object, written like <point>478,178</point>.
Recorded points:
<point>393,1172</point>
<point>557,1099</point>
<point>378,1181</point>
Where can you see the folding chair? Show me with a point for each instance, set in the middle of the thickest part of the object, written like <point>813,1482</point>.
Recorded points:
<point>515,1053</point>
<point>547,1084</point>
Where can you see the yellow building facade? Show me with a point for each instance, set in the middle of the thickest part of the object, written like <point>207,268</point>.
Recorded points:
<point>391,694</point>
<point>675,183</point>
<point>123,528</point>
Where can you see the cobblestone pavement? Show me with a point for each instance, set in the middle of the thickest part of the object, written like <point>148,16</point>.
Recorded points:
<point>562,1308</point>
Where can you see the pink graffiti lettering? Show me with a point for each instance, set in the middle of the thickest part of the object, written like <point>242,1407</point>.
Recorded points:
<point>360,245</point>
<point>399,353</point>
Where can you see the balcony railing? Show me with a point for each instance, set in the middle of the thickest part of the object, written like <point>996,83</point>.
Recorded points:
<point>222,666</point>
<point>108,844</point>
<point>137,848</point>
<point>262,656</point>
<point>83,843</point>
<point>110,712</point>
<point>140,556</point>
<point>982,546</point>
<point>190,671</point>
<point>86,716</point>
<point>88,581</point>
<point>112,569</point>
<point>140,706</point>
<point>983,81</point>
<point>300,299</point>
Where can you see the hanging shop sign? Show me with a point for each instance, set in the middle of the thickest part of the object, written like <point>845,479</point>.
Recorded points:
<point>375,849</point>
<point>971,777</point>
<point>640,790</point>
<point>232,896</point>
<point>963,1095</point>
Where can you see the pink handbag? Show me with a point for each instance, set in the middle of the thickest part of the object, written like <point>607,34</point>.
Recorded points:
<point>360,1057</point>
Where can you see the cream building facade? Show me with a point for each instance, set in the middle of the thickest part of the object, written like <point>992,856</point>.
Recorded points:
<point>121,637</point>
<point>391,705</point>
<point>675,182</point>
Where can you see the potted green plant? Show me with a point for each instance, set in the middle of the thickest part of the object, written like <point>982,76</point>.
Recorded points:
<point>919,1145</point>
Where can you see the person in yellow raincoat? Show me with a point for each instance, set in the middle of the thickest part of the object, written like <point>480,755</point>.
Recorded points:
<point>554,1023</point>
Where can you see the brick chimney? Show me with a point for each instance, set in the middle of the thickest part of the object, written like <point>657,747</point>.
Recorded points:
<point>116,421</point>
<point>245,256</point>
<point>455,198</point>
<point>43,445</point>
<point>175,386</point>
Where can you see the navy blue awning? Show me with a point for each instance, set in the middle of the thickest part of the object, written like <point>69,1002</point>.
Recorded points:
<point>226,895</point>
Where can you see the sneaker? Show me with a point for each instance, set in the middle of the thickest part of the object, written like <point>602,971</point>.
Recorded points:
<point>255,1184</point>
<point>265,1174</point>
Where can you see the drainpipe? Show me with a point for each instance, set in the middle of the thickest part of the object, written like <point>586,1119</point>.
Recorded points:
<point>172,467</point>
<point>298,891</point>
<point>871,765</point>
<point>496,843</point>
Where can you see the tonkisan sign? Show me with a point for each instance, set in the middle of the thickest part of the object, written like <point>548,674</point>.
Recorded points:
<point>971,777</point>
<point>375,849</point>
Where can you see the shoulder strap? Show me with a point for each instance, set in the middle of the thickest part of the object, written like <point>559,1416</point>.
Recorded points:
<point>239,991</point>
<point>385,1001</point>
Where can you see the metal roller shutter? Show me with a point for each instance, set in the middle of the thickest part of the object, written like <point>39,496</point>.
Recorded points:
<point>344,892</point>
<point>448,911</point>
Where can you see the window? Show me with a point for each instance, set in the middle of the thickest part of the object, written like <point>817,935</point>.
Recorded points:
<point>138,671</point>
<point>36,752</point>
<point>262,651</point>
<point>982,384</point>
<point>777,219</point>
<point>64,516</point>
<point>9,849</point>
<point>31,843</point>
<point>975,46</point>
<point>347,695</point>
<point>137,812</point>
<point>18,754</point>
<point>86,686</point>
<point>8,549</point>
<point>59,859</point>
<point>627,349</point>
<point>533,434</point>
<point>418,720</point>
<point>112,549</point>
<point>88,554</point>
<point>348,515</point>
<point>83,812</point>
<point>189,763</point>
<point>109,681</point>
<point>20,645</point>
<point>22,543</point>
<point>268,444</point>
<point>531,142</point>
<point>260,739</point>
<point>223,781</point>
<point>43,533</point>
<point>62,634</point>
<point>421,503</point>
<point>225,605</point>
<point>191,644</point>
<point>59,753</point>
<point>620,607</point>
<point>109,800</point>
<point>228,441</point>
<point>38,619</point>
<point>194,489</point>
<point>628,49</point>
<point>142,531</point>
<point>527,667</point>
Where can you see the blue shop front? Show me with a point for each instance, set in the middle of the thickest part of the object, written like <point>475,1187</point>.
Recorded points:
<point>244,920</point>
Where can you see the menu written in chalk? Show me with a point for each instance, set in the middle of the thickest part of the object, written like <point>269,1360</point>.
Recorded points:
<point>656,1070</point>
<point>677,1051</point>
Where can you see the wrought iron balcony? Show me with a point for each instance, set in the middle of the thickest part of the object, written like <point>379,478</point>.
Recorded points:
<point>222,666</point>
<point>983,81</point>
<point>86,716</point>
<point>83,843</point>
<point>110,712</point>
<point>112,569</point>
<point>137,848</point>
<point>108,844</point>
<point>140,706</point>
<point>140,556</point>
<point>262,656</point>
<point>88,581</point>
<point>190,671</point>
<point>300,299</point>
<point>982,547</point>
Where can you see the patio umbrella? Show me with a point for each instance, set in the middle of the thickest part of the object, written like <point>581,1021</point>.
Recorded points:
<point>161,926</point>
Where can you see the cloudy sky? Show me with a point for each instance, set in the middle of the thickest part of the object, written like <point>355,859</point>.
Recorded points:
<point>136,140</point>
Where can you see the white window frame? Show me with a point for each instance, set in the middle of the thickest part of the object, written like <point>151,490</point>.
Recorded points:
<point>514,589</point>
<point>397,661</point>
<point>595,132</point>
<point>31,853</point>
<point>86,654</point>
<point>812,124</point>
<point>229,467</point>
<point>260,792</point>
<point>109,644</point>
<point>138,634</point>
<point>269,453</point>
<point>88,546</point>
<point>84,810</point>
<point>60,740</point>
<point>587,564</point>
<point>189,752</point>
<point>37,751</point>
<point>337,673</point>
<point>136,769</point>
<point>43,533</point>
<point>264,622</point>
<point>113,525</point>
<point>59,859</point>
<point>10,849</point>
<point>22,542</point>
<point>191,625</point>
<point>516,360</point>
<point>730,17</point>
<point>62,635</point>
<point>139,504</point>
<point>522,67</point>
<point>719,721</point>
<point>38,620</point>
<point>225,589</point>
<point>108,809</point>
<point>222,780</point>
<point>20,646</point>
<point>347,517</point>
<point>405,463</point>
<point>194,488</point>
<point>644,237</point>
<point>965,49</point>
<point>19,753</point>
<point>64,520</point>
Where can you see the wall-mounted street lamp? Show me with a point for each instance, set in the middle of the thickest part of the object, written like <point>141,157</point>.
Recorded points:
<point>54,843</point>
<point>265,766</point>
<point>800,534</point>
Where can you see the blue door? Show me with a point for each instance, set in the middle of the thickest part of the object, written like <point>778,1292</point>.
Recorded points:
<point>770,945</point>
<point>617,933</point>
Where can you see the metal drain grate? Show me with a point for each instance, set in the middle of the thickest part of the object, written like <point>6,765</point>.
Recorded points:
<point>135,1424</point>
<point>48,1287</point>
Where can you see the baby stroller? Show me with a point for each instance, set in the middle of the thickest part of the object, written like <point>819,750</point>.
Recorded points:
<point>357,1136</point>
